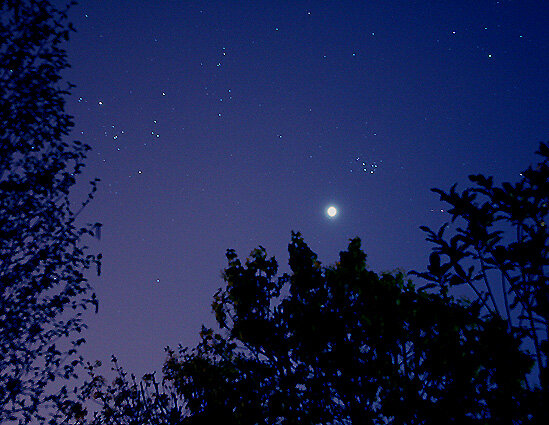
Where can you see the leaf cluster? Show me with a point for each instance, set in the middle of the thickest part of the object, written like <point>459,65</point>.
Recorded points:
<point>500,250</point>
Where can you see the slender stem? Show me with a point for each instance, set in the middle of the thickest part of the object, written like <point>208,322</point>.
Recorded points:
<point>480,297</point>
<point>476,291</point>
<point>537,347</point>
<point>487,283</point>
<point>506,301</point>
<point>521,297</point>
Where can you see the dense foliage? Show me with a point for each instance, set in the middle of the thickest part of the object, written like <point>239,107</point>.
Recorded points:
<point>43,289</point>
<point>345,345</point>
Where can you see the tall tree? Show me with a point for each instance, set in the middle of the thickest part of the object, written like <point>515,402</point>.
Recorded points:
<point>500,249</point>
<point>43,287</point>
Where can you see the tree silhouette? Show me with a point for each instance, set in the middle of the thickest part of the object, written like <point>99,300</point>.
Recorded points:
<point>43,288</point>
<point>336,344</point>
<point>500,249</point>
<point>345,346</point>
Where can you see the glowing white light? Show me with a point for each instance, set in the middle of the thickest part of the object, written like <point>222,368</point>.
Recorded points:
<point>331,211</point>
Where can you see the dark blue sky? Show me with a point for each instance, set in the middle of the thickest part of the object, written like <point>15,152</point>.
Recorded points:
<point>220,124</point>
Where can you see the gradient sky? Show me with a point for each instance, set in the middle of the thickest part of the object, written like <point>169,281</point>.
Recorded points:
<point>228,124</point>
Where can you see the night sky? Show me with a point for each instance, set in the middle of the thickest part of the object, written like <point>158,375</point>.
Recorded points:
<point>228,124</point>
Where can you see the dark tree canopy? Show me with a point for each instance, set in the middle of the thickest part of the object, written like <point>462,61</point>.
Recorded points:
<point>43,288</point>
<point>345,345</point>
<point>500,249</point>
<point>338,344</point>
